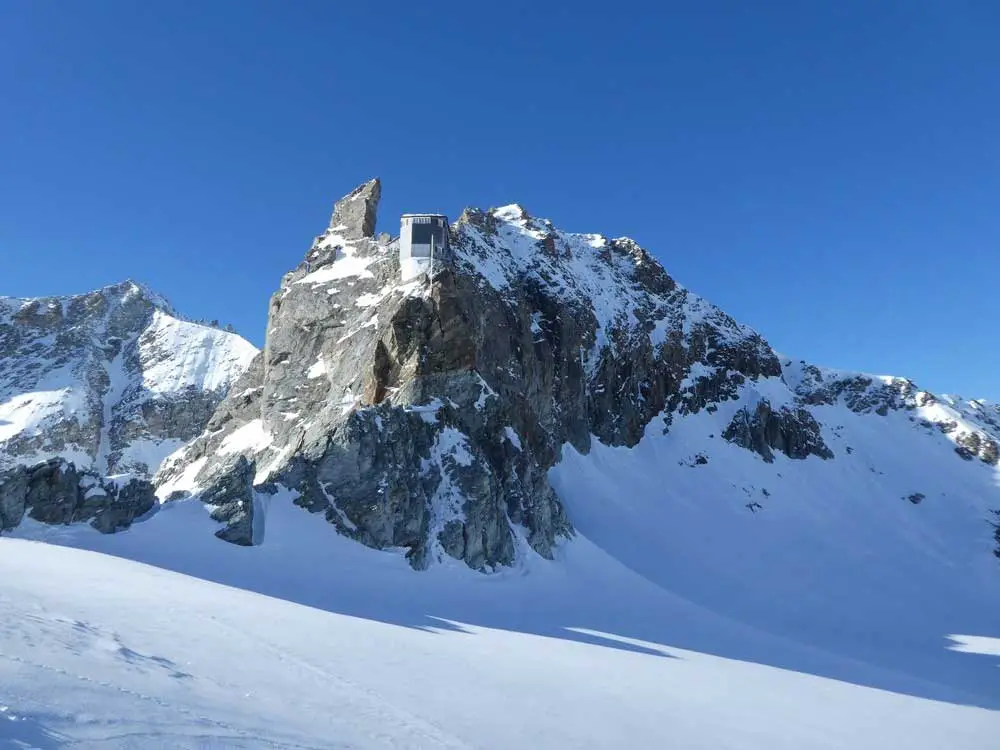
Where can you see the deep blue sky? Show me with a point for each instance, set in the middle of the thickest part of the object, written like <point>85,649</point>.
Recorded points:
<point>826,171</point>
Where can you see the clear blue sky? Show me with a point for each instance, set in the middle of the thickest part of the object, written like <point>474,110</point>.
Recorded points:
<point>826,171</point>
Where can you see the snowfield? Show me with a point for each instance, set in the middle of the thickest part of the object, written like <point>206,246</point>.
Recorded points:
<point>313,641</point>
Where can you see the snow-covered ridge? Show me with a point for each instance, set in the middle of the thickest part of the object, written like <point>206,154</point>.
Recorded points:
<point>617,281</point>
<point>120,293</point>
<point>627,289</point>
<point>973,426</point>
<point>111,380</point>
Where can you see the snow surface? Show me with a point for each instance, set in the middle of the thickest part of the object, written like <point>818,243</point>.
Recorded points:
<point>199,357</point>
<point>346,264</point>
<point>249,439</point>
<point>100,651</point>
<point>185,481</point>
<point>512,437</point>
<point>28,412</point>
<point>826,553</point>
<point>317,369</point>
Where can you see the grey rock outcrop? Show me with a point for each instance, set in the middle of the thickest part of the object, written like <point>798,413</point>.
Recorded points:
<point>996,532</point>
<point>970,445</point>
<point>796,433</point>
<point>13,494</point>
<point>355,214</point>
<point>425,415</point>
<point>862,394</point>
<point>129,502</point>
<point>231,498</point>
<point>55,492</point>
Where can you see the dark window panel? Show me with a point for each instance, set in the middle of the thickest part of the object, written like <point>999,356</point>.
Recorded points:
<point>421,234</point>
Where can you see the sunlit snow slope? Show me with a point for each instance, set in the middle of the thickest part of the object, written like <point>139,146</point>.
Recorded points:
<point>111,380</point>
<point>360,651</point>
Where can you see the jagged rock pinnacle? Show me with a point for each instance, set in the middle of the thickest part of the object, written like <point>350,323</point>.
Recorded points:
<point>354,215</point>
<point>427,414</point>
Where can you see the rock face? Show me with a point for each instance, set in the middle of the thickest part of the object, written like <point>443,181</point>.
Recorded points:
<point>105,383</point>
<point>55,492</point>
<point>763,430</point>
<point>996,532</point>
<point>425,415</point>
<point>112,380</point>
<point>354,215</point>
<point>231,499</point>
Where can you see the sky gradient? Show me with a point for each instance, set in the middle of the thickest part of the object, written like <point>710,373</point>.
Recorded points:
<point>826,172</point>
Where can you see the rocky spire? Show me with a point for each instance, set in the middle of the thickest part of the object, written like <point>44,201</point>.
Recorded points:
<point>354,214</point>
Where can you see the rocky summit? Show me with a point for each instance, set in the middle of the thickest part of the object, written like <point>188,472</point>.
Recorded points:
<point>95,391</point>
<point>426,415</point>
<point>436,412</point>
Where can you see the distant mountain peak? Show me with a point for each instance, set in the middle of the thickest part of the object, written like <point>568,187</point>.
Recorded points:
<point>107,382</point>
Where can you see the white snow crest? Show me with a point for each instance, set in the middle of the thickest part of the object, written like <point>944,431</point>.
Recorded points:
<point>598,274</point>
<point>183,482</point>
<point>485,392</point>
<point>511,435</point>
<point>452,442</point>
<point>251,438</point>
<point>346,264</point>
<point>428,412</point>
<point>177,355</point>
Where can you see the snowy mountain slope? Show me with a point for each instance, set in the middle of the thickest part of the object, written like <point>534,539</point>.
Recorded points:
<point>827,567</point>
<point>95,391</point>
<point>449,399</point>
<point>98,651</point>
<point>614,280</point>
<point>111,380</point>
<point>617,456</point>
<point>567,376</point>
<point>832,553</point>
